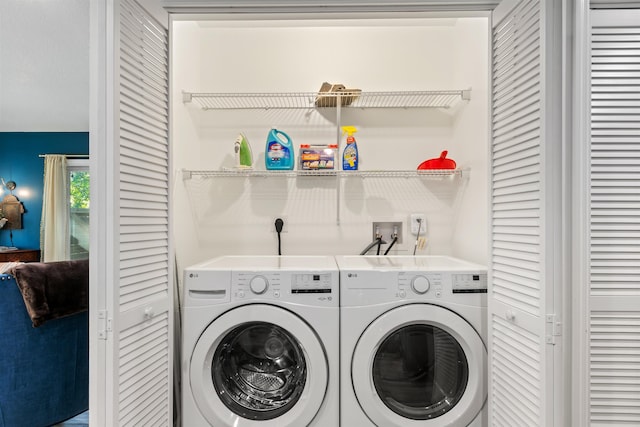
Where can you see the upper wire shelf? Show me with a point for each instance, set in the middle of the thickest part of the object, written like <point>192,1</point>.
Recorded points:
<point>306,100</point>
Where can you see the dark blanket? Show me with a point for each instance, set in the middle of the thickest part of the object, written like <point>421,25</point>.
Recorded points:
<point>53,289</point>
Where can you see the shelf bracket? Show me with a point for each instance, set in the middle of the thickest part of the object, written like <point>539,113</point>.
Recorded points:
<point>187,97</point>
<point>466,94</point>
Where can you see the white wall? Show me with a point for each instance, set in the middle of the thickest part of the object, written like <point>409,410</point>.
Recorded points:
<point>44,66</point>
<point>471,139</point>
<point>215,216</point>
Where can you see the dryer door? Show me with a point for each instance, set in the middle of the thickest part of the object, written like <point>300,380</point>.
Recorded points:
<point>259,365</point>
<point>426,366</point>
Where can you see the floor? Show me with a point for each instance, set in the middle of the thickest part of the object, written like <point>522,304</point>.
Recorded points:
<point>81,420</point>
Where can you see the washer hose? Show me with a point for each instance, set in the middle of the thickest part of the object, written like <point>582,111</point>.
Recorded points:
<point>395,239</point>
<point>378,241</point>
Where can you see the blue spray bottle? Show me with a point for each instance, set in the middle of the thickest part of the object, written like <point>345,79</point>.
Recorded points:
<point>278,153</point>
<point>350,152</point>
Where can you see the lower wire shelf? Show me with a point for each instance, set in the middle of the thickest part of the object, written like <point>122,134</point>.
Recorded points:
<point>242,173</point>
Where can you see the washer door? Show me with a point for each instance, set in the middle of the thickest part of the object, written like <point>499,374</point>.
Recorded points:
<point>259,365</point>
<point>420,365</point>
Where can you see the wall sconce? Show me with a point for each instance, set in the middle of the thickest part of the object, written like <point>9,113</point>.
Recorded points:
<point>11,209</point>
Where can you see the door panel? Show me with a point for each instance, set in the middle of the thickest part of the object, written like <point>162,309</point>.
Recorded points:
<point>614,320</point>
<point>526,203</point>
<point>132,296</point>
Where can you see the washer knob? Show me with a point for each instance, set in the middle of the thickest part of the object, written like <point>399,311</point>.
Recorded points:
<point>258,285</point>
<point>420,285</point>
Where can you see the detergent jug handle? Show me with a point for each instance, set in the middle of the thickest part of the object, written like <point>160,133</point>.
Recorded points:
<point>286,137</point>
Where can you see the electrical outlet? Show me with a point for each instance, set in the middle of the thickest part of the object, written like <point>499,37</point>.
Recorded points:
<point>285,224</point>
<point>415,225</point>
<point>386,230</point>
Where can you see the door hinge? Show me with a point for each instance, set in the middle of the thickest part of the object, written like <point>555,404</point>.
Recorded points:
<point>553,329</point>
<point>104,324</point>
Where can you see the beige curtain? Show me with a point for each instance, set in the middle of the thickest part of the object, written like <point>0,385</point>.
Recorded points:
<point>54,225</point>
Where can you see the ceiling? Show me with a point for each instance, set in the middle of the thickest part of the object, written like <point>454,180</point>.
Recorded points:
<point>44,65</point>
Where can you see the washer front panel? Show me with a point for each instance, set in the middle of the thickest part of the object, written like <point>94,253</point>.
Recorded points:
<point>269,349</point>
<point>439,377</point>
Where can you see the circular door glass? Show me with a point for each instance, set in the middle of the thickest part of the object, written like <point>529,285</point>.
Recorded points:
<point>259,370</point>
<point>420,372</point>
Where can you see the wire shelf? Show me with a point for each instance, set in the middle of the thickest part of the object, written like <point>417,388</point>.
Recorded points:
<point>428,174</point>
<point>306,100</point>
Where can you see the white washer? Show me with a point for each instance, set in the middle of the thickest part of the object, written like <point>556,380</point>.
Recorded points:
<point>260,342</point>
<point>412,340</point>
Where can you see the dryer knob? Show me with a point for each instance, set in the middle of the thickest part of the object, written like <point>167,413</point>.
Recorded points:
<point>420,285</point>
<point>259,285</point>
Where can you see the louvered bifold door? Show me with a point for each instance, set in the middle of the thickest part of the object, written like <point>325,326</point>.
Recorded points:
<point>136,322</point>
<point>615,219</point>
<point>525,196</point>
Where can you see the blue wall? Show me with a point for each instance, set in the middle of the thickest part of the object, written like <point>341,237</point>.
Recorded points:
<point>20,162</point>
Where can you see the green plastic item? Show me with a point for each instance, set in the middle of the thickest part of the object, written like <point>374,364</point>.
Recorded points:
<point>244,156</point>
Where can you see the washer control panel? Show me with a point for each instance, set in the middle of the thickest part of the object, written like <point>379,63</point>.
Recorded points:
<point>435,284</point>
<point>290,286</point>
<point>417,284</point>
<point>311,283</point>
<point>258,285</point>
<point>469,283</point>
<point>420,284</point>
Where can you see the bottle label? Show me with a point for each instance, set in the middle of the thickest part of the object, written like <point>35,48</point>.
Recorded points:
<point>278,156</point>
<point>350,159</point>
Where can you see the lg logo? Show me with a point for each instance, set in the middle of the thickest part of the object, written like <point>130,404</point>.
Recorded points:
<point>352,275</point>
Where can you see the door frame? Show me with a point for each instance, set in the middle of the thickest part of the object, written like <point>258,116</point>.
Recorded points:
<point>579,129</point>
<point>577,360</point>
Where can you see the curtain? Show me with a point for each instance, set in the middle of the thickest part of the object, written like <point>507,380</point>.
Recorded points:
<point>54,225</point>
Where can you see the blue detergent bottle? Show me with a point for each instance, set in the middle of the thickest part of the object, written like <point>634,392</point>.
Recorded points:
<point>278,153</point>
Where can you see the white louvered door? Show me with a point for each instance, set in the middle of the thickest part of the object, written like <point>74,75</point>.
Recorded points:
<point>132,303</point>
<point>615,219</point>
<point>526,202</point>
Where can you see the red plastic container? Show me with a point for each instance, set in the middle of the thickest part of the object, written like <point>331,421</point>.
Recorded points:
<point>439,163</point>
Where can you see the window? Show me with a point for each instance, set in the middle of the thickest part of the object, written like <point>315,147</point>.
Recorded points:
<point>79,207</point>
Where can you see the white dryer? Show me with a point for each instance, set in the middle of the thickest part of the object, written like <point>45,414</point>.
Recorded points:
<point>260,342</point>
<point>412,339</point>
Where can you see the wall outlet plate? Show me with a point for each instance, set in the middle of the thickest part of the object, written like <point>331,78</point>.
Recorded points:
<point>285,225</point>
<point>415,226</point>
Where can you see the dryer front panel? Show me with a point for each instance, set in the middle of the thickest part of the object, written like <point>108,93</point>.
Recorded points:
<point>426,366</point>
<point>259,365</point>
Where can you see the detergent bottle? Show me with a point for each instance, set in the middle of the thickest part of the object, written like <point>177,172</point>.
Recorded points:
<point>350,152</point>
<point>278,153</point>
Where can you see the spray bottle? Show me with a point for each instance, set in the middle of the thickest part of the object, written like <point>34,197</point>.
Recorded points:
<point>350,152</point>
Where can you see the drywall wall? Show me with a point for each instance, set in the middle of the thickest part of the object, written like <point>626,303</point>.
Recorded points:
<point>44,66</point>
<point>20,162</point>
<point>471,140</point>
<point>215,216</point>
